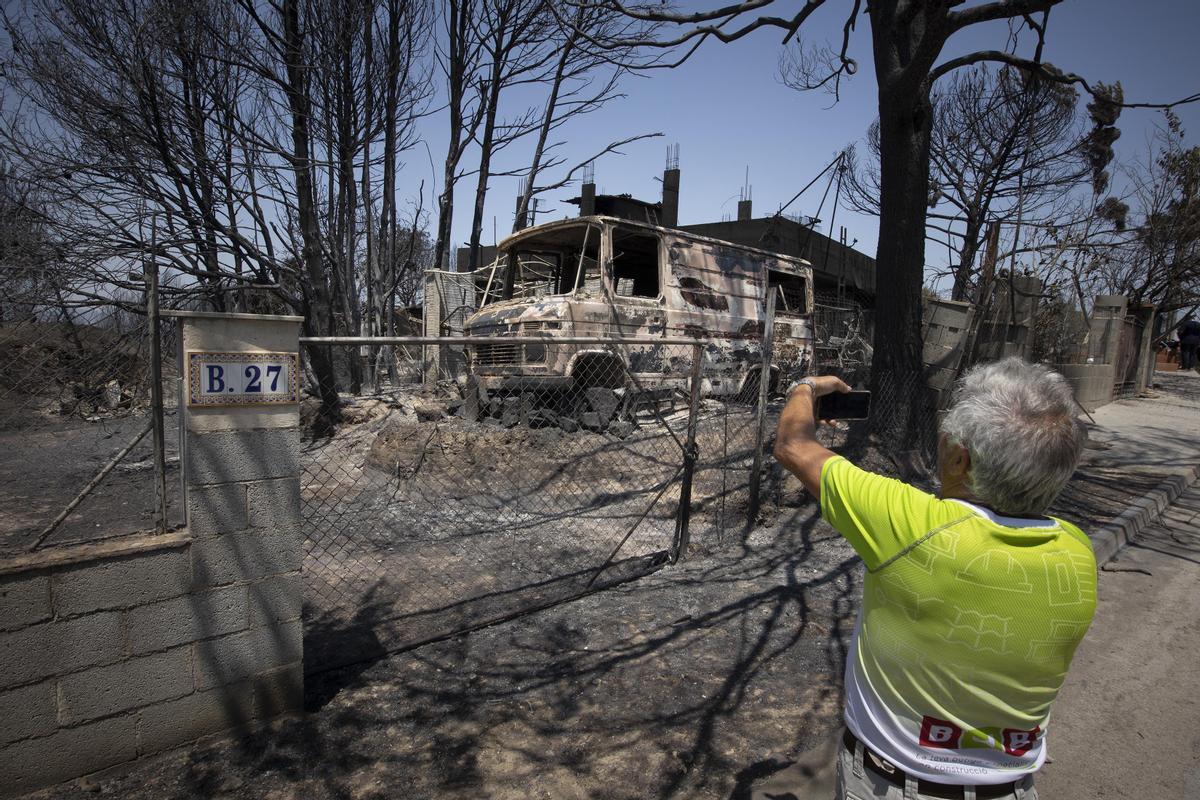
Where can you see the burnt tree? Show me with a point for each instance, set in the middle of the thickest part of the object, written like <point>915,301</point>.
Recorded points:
<point>1005,148</point>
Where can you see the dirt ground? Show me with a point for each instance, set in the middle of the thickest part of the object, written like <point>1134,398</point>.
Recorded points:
<point>417,527</point>
<point>682,684</point>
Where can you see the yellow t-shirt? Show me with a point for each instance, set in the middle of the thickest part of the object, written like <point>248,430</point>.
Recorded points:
<point>968,624</point>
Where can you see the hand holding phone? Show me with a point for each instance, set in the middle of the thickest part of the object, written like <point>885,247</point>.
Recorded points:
<point>844,405</point>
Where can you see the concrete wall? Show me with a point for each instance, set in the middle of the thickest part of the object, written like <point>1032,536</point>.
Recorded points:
<point>1092,383</point>
<point>946,325</point>
<point>112,651</point>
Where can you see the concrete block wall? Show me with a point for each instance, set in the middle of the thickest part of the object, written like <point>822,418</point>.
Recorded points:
<point>1092,383</point>
<point>113,651</point>
<point>1108,315</point>
<point>117,650</point>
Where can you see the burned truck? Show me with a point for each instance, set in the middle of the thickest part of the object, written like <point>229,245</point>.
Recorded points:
<point>608,277</point>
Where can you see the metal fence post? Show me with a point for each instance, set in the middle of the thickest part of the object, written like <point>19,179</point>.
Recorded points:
<point>760,431</point>
<point>431,356</point>
<point>156,397</point>
<point>683,519</point>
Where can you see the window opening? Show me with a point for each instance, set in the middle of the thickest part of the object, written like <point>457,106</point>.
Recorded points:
<point>791,297</point>
<point>558,262</point>
<point>635,264</point>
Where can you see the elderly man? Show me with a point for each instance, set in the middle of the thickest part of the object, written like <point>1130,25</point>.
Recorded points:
<point>973,601</point>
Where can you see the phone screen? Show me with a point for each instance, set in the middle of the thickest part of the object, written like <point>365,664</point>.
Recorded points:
<point>853,405</point>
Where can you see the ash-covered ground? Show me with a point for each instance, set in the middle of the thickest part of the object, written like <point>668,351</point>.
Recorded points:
<point>420,523</point>
<point>44,466</point>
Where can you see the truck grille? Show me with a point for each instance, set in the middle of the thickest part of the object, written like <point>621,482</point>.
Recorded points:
<point>497,355</point>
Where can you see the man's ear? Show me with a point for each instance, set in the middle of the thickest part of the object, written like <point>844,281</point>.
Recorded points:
<point>961,460</point>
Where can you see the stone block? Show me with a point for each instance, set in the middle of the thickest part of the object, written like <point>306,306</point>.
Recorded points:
<point>68,753</point>
<point>53,648</point>
<point>603,402</point>
<point>28,711</point>
<point>24,600</point>
<point>175,722</point>
<point>213,510</point>
<point>247,556</point>
<point>202,615</point>
<point>137,682</point>
<point>254,455</point>
<point>590,420</point>
<point>278,599</point>
<point>228,418</point>
<point>122,582</point>
<point>234,658</point>
<point>240,333</point>
<point>274,503</point>
<point>279,692</point>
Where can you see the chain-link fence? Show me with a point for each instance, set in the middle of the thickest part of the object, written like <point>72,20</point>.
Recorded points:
<point>76,423</point>
<point>549,469</point>
<point>532,469</point>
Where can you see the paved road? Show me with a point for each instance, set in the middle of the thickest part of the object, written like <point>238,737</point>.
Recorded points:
<point>1160,431</point>
<point>1127,724</point>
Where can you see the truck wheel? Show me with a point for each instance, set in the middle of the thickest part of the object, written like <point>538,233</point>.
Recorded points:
<point>749,391</point>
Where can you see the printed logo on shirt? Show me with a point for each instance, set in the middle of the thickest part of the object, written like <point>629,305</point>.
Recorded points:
<point>943,734</point>
<point>939,733</point>
<point>1018,742</point>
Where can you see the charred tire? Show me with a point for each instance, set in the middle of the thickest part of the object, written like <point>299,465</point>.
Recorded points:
<point>598,371</point>
<point>749,391</point>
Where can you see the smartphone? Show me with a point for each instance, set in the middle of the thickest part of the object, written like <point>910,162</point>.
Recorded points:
<point>852,405</point>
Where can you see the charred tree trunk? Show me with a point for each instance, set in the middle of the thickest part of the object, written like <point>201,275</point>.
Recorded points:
<point>317,316</point>
<point>966,266</point>
<point>485,163</point>
<point>457,76</point>
<point>387,216</point>
<point>347,244</point>
<point>906,42</point>
<point>539,148</point>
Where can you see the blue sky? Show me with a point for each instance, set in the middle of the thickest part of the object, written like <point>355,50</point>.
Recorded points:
<point>728,111</point>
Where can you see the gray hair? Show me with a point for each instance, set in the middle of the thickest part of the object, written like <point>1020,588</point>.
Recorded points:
<point>1017,420</point>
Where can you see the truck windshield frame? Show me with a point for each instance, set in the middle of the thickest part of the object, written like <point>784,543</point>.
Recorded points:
<point>559,262</point>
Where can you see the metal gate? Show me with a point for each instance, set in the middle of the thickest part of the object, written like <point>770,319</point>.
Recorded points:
<point>1125,371</point>
<point>429,513</point>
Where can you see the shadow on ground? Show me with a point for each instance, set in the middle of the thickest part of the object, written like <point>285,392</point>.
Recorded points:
<point>693,682</point>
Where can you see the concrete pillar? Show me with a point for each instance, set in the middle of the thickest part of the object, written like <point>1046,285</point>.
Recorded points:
<point>1108,316</point>
<point>1027,291</point>
<point>670,198</point>
<point>745,211</point>
<point>1146,355</point>
<point>241,473</point>
<point>431,325</point>
<point>587,200</point>
<point>1091,383</point>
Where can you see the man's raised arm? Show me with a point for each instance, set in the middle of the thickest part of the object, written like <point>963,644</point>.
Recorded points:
<point>796,445</point>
